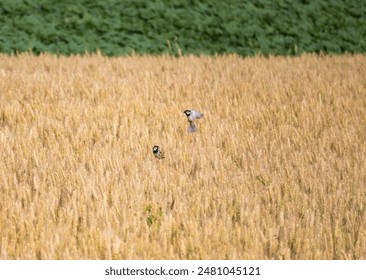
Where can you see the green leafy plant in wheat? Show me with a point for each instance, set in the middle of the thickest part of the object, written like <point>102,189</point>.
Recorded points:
<point>153,216</point>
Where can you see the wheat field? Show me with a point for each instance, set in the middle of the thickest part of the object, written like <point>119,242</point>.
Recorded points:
<point>277,169</point>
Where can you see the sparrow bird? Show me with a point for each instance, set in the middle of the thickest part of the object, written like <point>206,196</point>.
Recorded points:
<point>157,152</point>
<point>192,115</point>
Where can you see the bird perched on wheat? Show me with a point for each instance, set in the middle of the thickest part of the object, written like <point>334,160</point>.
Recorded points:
<point>159,154</point>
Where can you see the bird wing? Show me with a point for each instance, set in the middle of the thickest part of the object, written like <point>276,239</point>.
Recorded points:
<point>195,114</point>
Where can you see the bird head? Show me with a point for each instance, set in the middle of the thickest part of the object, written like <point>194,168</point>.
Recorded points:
<point>187,112</point>
<point>155,149</point>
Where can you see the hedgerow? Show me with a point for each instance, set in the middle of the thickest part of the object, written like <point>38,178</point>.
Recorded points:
<point>281,27</point>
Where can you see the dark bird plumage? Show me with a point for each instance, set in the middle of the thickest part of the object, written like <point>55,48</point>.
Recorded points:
<point>159,154</point>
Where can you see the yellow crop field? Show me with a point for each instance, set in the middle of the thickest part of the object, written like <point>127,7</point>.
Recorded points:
<point>276,170</point>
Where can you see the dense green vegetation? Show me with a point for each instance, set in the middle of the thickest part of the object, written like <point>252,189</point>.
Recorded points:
<point>118,27</point>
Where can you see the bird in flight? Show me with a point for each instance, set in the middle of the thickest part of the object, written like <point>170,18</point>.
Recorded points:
<point>192,115</point>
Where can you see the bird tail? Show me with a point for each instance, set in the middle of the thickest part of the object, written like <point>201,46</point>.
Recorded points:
<point>192,127</point>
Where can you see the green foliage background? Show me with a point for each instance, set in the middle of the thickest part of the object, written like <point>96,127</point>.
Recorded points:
<point>116,27</point>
